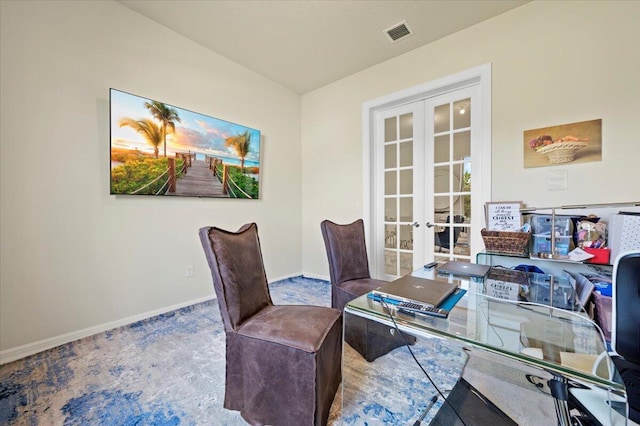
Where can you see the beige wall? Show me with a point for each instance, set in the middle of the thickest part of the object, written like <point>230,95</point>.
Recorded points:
<point>74,257</point>
<point>552,63</point>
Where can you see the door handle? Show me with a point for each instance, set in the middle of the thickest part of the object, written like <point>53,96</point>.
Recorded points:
<point>415,225</point>
<point>430,225</point>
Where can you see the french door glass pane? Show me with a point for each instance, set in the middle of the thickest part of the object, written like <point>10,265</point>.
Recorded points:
<point>440,205</point>
<point>391,233</point>
<point>406,237</point>
<point>462,114</point>
<point>406,263</point>
<point>406,209</point>
<point>390,183</point>
<point>406,126</point>
<point>466,181</point>
<point>441,116</point>
<point>406,181</point>
<point>466,191</point>
<point>406,154</point>
<point>441,180</point>
<point>462,145</point>
<point>390,156</point>
<point>390,129</point>
<point>391,262</point>
<point>441,149</point>
<point>390,209</point>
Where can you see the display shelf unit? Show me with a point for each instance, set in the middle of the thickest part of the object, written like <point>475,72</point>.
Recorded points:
<point>552,262</point>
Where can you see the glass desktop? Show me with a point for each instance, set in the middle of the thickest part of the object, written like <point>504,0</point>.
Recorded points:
<point>508,342</point>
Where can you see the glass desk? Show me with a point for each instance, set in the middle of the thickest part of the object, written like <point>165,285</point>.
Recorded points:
<point>496,359</point>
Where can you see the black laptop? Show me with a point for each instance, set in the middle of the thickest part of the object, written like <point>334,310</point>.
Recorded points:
<point>416,290</point>
<point>464,269</point>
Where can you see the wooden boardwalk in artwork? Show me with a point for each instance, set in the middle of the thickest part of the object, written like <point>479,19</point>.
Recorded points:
<point>199,182</point>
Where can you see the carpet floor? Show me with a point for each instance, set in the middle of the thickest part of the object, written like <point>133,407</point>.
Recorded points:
<point>170,370</point>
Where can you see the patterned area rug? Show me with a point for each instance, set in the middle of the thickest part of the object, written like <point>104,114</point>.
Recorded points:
<point>169,370</point>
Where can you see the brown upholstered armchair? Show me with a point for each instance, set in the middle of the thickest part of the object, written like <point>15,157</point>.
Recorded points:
<point>350,278</point>
<point>282,362</point>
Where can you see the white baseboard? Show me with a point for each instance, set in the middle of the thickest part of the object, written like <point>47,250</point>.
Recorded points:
<point>317,277</point>
<point>23,351</point>
<point>303,275</point>
<point>285,277</point>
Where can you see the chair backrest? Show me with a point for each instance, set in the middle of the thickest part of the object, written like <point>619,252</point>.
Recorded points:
<point>625,335</point>
<point>442,237</point>
<point>346,250</point>
<point>238,272</point>
<point>456,231</point>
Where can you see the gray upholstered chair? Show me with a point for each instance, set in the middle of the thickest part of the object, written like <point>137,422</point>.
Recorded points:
<point>350,278</point>
<point>283,362</point>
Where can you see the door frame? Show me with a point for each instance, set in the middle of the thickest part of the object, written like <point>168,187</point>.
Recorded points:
<point>481,76</point>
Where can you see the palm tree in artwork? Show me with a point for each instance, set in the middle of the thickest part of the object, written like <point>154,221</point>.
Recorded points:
<point>166,116</point>
<point>148,128</point>
<point>242,145</point>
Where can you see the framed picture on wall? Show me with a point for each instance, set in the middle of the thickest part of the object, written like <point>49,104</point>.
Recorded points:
<point>563,144</point>
<point>161,149</point>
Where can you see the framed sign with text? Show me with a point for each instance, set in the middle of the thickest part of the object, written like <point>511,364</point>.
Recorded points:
<point>504,216</point>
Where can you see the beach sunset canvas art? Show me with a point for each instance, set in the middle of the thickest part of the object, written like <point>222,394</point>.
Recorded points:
<point>160,149</point>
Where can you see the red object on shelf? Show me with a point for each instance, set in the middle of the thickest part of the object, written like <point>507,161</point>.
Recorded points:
<point>600,255</point>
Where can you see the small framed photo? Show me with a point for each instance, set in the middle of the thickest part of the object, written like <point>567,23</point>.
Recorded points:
<point>503,216</point>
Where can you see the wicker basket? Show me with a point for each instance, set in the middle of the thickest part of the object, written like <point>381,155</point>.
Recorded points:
<point>503,242</point>
<point>561,152</point>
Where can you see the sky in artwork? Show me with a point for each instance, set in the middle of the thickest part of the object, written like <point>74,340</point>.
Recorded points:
<point>195,132</point>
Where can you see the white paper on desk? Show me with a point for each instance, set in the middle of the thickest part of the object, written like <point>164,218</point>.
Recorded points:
<point>579,255</point>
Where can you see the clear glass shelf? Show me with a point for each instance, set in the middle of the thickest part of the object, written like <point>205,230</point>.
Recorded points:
<point>480,257</point>
<point>555,267</point>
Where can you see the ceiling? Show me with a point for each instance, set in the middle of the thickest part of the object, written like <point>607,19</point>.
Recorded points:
<point>307,44</point>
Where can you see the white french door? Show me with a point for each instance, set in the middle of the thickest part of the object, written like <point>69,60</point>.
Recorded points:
<point>453,154</point>
<point>427,191</point>
<point>400,148</point>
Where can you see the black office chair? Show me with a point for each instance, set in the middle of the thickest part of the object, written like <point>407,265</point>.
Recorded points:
<point>625,336</point>
<point>443,238</point>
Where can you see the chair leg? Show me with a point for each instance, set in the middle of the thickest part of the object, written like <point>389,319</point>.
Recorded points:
<point>372,339</point>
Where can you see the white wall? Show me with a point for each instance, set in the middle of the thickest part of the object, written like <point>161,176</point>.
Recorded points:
<point>552,63</point>
<point>74,257</point>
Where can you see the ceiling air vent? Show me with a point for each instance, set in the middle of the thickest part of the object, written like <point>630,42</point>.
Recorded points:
<point>398,32</point>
